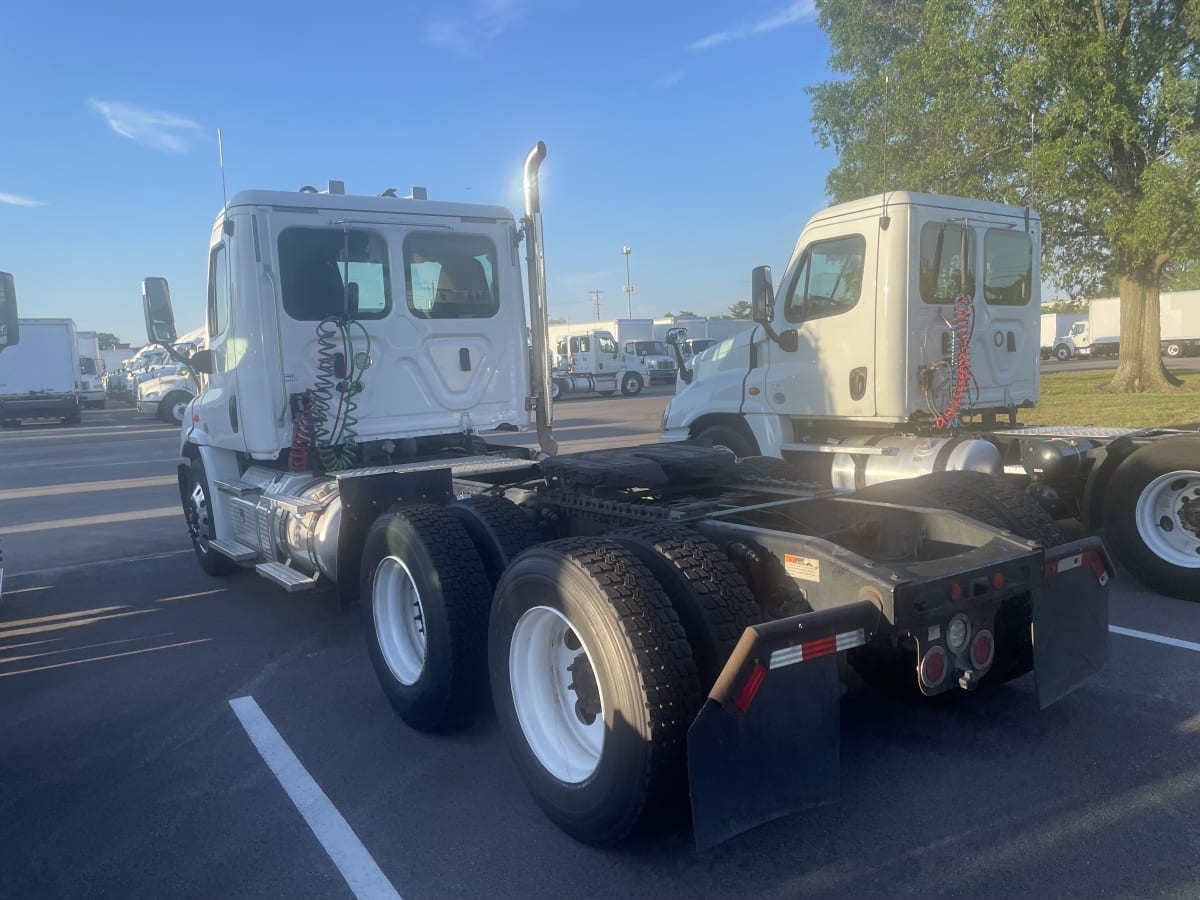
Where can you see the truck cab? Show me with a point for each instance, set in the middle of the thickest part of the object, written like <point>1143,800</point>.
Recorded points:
<point>899,309</point>
<point>657,361</point>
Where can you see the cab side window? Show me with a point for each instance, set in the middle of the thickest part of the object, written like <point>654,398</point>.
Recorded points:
<point>218,291</point>
<point>829,279</point>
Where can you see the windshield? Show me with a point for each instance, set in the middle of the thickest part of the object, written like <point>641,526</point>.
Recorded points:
<point>1078,327</point>
<point>654,348</point>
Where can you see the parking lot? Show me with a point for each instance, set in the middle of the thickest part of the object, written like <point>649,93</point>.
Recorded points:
<point>126,772</point>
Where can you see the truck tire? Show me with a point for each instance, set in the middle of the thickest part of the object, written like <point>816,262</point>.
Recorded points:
<point>498,529</point>
<point>712,600</point>
<point>426,610</point>
<point>1151,515</point>
<point>632,384</point>
<point>75,418</point>
<point>1173,349</point>
<point>993,501</point>
<point>1062,353</point>
<point>556,388</point>
<point>594,685</point>
<point>172,407</point>
<point>197,512</point>
<point>728,438</point>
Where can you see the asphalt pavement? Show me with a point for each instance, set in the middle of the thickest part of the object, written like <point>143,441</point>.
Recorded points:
<point>125,771</point>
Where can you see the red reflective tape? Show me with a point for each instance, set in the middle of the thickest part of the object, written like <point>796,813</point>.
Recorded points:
<point>746,695</point>
<point>820,647</point>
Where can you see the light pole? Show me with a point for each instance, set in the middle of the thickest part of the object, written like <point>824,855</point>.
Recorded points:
<point>628,286</point>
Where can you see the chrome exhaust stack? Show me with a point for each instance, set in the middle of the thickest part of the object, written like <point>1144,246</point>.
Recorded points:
<point>531,225</point>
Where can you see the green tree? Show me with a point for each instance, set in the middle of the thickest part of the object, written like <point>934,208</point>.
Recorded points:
<point>107,341</point>
<point>1088,112</point>
<point>740,310</point>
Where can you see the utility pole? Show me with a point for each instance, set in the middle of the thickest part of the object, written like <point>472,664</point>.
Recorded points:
<point>628,287</point>
<point>596,296</point>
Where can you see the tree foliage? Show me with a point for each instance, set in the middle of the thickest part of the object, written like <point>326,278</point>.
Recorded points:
<point>1088,112</point>
<point>740,310</point>
<point>108,341</point>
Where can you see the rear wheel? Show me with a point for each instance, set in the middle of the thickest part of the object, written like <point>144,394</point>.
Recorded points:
<point>594,684</point>
<point>426,615</point>
<point>498,529</point>
<point>713,601</point>
<point>1174,350</point>
<point>197,512</point>
<point>1152,515</point>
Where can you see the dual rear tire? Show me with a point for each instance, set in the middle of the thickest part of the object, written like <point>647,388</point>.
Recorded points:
<point>598,651</point>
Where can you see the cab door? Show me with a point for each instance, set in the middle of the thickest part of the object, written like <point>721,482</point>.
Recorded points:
<point>828,297</point>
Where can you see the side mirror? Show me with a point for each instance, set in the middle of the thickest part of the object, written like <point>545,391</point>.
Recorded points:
<point>10,325</point>
<point>202,362</point>
<point>762,294</point>
<point>676,335</point>
<point>160,319</point>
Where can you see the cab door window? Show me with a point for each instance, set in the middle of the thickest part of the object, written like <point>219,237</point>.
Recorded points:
<point>829,279</point>
<point>218,291</point>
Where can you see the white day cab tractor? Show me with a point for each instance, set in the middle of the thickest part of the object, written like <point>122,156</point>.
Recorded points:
<point>906,331</point>
<point>633,614</point>
<point>589,362</point>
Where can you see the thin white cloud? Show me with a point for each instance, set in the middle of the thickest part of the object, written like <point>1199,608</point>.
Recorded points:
<point>467,31</point>
<point>800,11</point>
<point>150,128</point>
<point>18,200</point>
<point>670,79</point>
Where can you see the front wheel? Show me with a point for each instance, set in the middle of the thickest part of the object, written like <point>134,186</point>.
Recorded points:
<point>1152,515</point>
<point>725,437</point>
<point>594,685</point>
<point>197,511</point>
<point>556,389</point>
<point>172,408</point>
<point>1062,353</point>
<point>632,384</point>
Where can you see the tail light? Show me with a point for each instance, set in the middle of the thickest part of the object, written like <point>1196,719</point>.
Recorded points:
<point>934,667</point>
<point>983,650</point>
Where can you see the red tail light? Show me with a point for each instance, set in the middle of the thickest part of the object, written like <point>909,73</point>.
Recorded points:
<point>956,591</point>
<point>934,667</point>
<point>983,650</point>
<point>997,580</point>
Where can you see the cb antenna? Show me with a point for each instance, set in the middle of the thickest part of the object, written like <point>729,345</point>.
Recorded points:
<point>884,218</point>
<point>221,163</point>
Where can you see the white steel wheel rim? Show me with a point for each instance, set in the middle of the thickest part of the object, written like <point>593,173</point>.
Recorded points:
<point>399,620</point>
<point>544,699</point>
<point>1159,519</point>
<point>177,411</point>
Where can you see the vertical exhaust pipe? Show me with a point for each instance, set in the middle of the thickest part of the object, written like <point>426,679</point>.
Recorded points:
<point>539,329</point>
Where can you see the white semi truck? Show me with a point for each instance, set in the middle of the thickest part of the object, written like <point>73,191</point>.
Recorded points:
<point>633,614</point>
<point>39,378</point>
<point>589,361</point>
<point>904,341</point>
<point>91,371</point>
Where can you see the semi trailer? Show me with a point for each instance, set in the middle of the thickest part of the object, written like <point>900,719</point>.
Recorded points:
<point>904,341</point>
<point>656,625</point>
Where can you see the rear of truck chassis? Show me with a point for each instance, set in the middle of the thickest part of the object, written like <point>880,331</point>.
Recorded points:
<point>744,591</point>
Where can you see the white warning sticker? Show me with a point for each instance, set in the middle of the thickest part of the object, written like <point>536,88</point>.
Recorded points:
<point>802,567</point>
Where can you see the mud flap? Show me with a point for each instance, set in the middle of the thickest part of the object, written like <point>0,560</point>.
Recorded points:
<point>766,743</point>
<point>1070,618</point>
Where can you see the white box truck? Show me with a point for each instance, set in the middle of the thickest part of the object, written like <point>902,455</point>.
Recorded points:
<point>39,377</point>
<point>1063,335</point>
<point>1179,324</point>
<point>91,370</point>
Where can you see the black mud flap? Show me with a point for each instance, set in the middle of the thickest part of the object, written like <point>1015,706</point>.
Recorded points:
<point>766,742</point>
<point>1070,618</point>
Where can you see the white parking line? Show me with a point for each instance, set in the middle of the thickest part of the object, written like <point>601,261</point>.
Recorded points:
<point>1156,638</point>
<point>357,866</point>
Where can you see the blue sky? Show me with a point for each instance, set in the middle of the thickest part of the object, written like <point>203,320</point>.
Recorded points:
<point>679,129</point>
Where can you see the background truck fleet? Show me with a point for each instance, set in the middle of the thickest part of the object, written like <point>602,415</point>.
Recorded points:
<point>1097,332</point>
